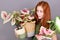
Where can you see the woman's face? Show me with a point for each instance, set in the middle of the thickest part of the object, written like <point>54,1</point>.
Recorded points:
<point>40,12</point>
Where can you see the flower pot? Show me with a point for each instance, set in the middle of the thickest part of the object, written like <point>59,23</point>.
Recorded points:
<point>41,37</point>
<point>46,38</point>
<point>30,28</point>
<point>20,33</point>
<point>54,37</point>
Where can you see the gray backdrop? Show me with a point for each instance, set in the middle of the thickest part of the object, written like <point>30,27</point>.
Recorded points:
<point>6,30</point>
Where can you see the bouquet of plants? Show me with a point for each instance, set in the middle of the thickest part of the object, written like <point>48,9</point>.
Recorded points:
<point>17,17</point>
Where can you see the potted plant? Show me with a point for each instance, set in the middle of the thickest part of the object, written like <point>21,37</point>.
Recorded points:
<point>15,20</point>
<point>46,34</point>
<point>24,21</point>
<point>29,22</point>
<point>55,26</point>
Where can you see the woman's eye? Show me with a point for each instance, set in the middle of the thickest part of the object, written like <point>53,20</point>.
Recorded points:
<point>39,10</point>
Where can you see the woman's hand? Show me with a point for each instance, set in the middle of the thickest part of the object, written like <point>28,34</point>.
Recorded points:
<point>38,36</point>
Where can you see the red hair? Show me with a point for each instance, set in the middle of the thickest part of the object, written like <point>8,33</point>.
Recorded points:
<point>46,11</point>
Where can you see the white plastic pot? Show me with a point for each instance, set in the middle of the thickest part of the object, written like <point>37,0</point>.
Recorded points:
<point>20,33</point>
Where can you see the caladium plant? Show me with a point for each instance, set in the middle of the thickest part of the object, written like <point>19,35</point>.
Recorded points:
<point>44,33</point>
<point>55,24</point>
<point>18,17</point>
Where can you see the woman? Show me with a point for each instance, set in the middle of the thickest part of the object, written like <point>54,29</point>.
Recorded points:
<point>42,15</point>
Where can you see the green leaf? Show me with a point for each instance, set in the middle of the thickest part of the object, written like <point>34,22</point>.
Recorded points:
<point>19,19</point>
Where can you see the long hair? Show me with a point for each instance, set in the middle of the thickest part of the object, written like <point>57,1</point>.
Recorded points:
<point>46,11</point>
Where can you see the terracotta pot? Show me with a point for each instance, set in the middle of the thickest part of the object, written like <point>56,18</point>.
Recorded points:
<point>20,33</point>
<point>30,28</point>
